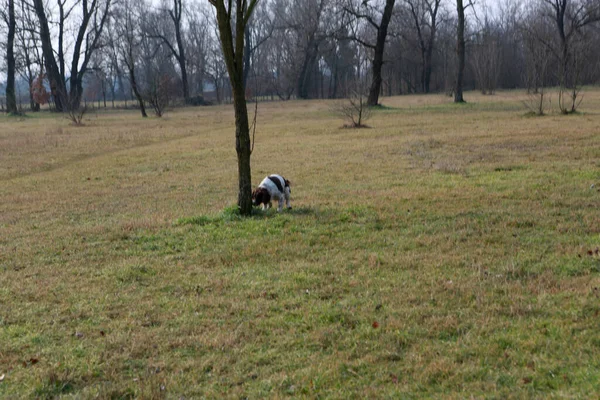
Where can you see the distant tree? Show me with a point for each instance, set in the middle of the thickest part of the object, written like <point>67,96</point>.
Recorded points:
<point>159,93</point>
<point>354,109</point>
<point>11,99</point>
<point>231,33</point>
<point>29,59</point>
<point>485,59</point>
<point>424,15</point>
<point>89,29</point>
<point>570,17</point>
<point>126,23</point>
<point>460,50</point>
<point>175,45</point>
<point>368,12</point>
<point>198,43</point>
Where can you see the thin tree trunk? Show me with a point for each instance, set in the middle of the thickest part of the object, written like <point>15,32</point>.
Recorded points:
<point>378,56</point>
<point>243,150</point>
<point>136,92</point>
<point>233,52</point>
<point>305,70</point>
<point>427,70</point>
<point>57,84</point>
<point>11,100</point>
<point>460,52</point>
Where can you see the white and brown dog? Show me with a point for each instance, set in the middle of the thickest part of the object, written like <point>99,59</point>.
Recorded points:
<point>273,187</point>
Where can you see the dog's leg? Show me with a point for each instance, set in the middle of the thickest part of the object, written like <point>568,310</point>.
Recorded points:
<point>287,198</point>
<point>269,205</point>
<point>280,206</point>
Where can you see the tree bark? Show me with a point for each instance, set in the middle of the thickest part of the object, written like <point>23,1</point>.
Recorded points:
<point>57,84</point>
<point>310,56</point>
<point>373,99</point>
<point>135,90</point>
<point>181,58</point>
<point>460,52</point>
<point>233,53</point>
<point>11,99</point>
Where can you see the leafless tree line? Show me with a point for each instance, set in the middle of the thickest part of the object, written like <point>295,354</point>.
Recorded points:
<point>152,54</point>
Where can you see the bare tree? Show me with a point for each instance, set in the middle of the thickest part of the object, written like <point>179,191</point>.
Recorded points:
<point>570,17</point>
<point>159,93</point>
<point>538,59</point>
<point>485,57</point>
<point>259,29</point>
<point>354,109</point>
<point>89,29</point>
<point>176,44</point>
<point>231,33</point>
<point>29,59</point>
<point>126,22</point>
<point>424,15</point>
<point>460,50</point>
<point>11,99</point>
<point>368,13</point>
<point>198,46</point>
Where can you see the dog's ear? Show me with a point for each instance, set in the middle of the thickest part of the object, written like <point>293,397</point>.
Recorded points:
<point>288,183</point>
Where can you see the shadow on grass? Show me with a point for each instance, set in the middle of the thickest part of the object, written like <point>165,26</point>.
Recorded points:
<point>232,213</point>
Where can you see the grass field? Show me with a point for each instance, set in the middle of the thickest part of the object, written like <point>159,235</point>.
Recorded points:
<point>446,252</point>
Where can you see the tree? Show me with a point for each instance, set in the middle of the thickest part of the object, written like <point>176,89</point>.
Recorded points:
<point>460,51</point>
<point>537,58</point>
<point>366,11</point>
<point>570,17</point>
<point>29,60</point>
<point>424,14</point>
<point>486,58</point>
<point>354,110</point>
<point>231,33</point>
<point>11,99</point>
<point>127,26</point>
<point>177,48</point>
<point>93,16</point>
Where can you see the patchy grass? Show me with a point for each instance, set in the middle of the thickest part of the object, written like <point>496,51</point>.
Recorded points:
<point>446,252</point>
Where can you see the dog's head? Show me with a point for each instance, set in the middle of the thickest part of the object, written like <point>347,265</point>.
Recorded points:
<point>260,196</point>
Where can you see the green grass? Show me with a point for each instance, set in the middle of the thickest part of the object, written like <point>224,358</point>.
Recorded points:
<point>436,255</point>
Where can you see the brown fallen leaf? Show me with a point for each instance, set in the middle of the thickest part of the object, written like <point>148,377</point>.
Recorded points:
<point>375,325</point>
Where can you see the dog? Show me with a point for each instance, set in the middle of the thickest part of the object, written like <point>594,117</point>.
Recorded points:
<point>273,187</point>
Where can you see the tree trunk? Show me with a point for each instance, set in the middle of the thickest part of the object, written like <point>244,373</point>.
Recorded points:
<point>11,99</point>
<point>305,70</point>
<point>233,52</point>
<point>242,148</point>
<point>378,56</point>
<point>57,84</point>
<point>427,70</point>
<point>184,76</point>
<point>175,15</point>
<point>247,55</point>
<point>460,52</point>
<point>135,90</point>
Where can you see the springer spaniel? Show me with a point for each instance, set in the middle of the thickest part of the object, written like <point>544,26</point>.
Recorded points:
<point>273,187</point>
